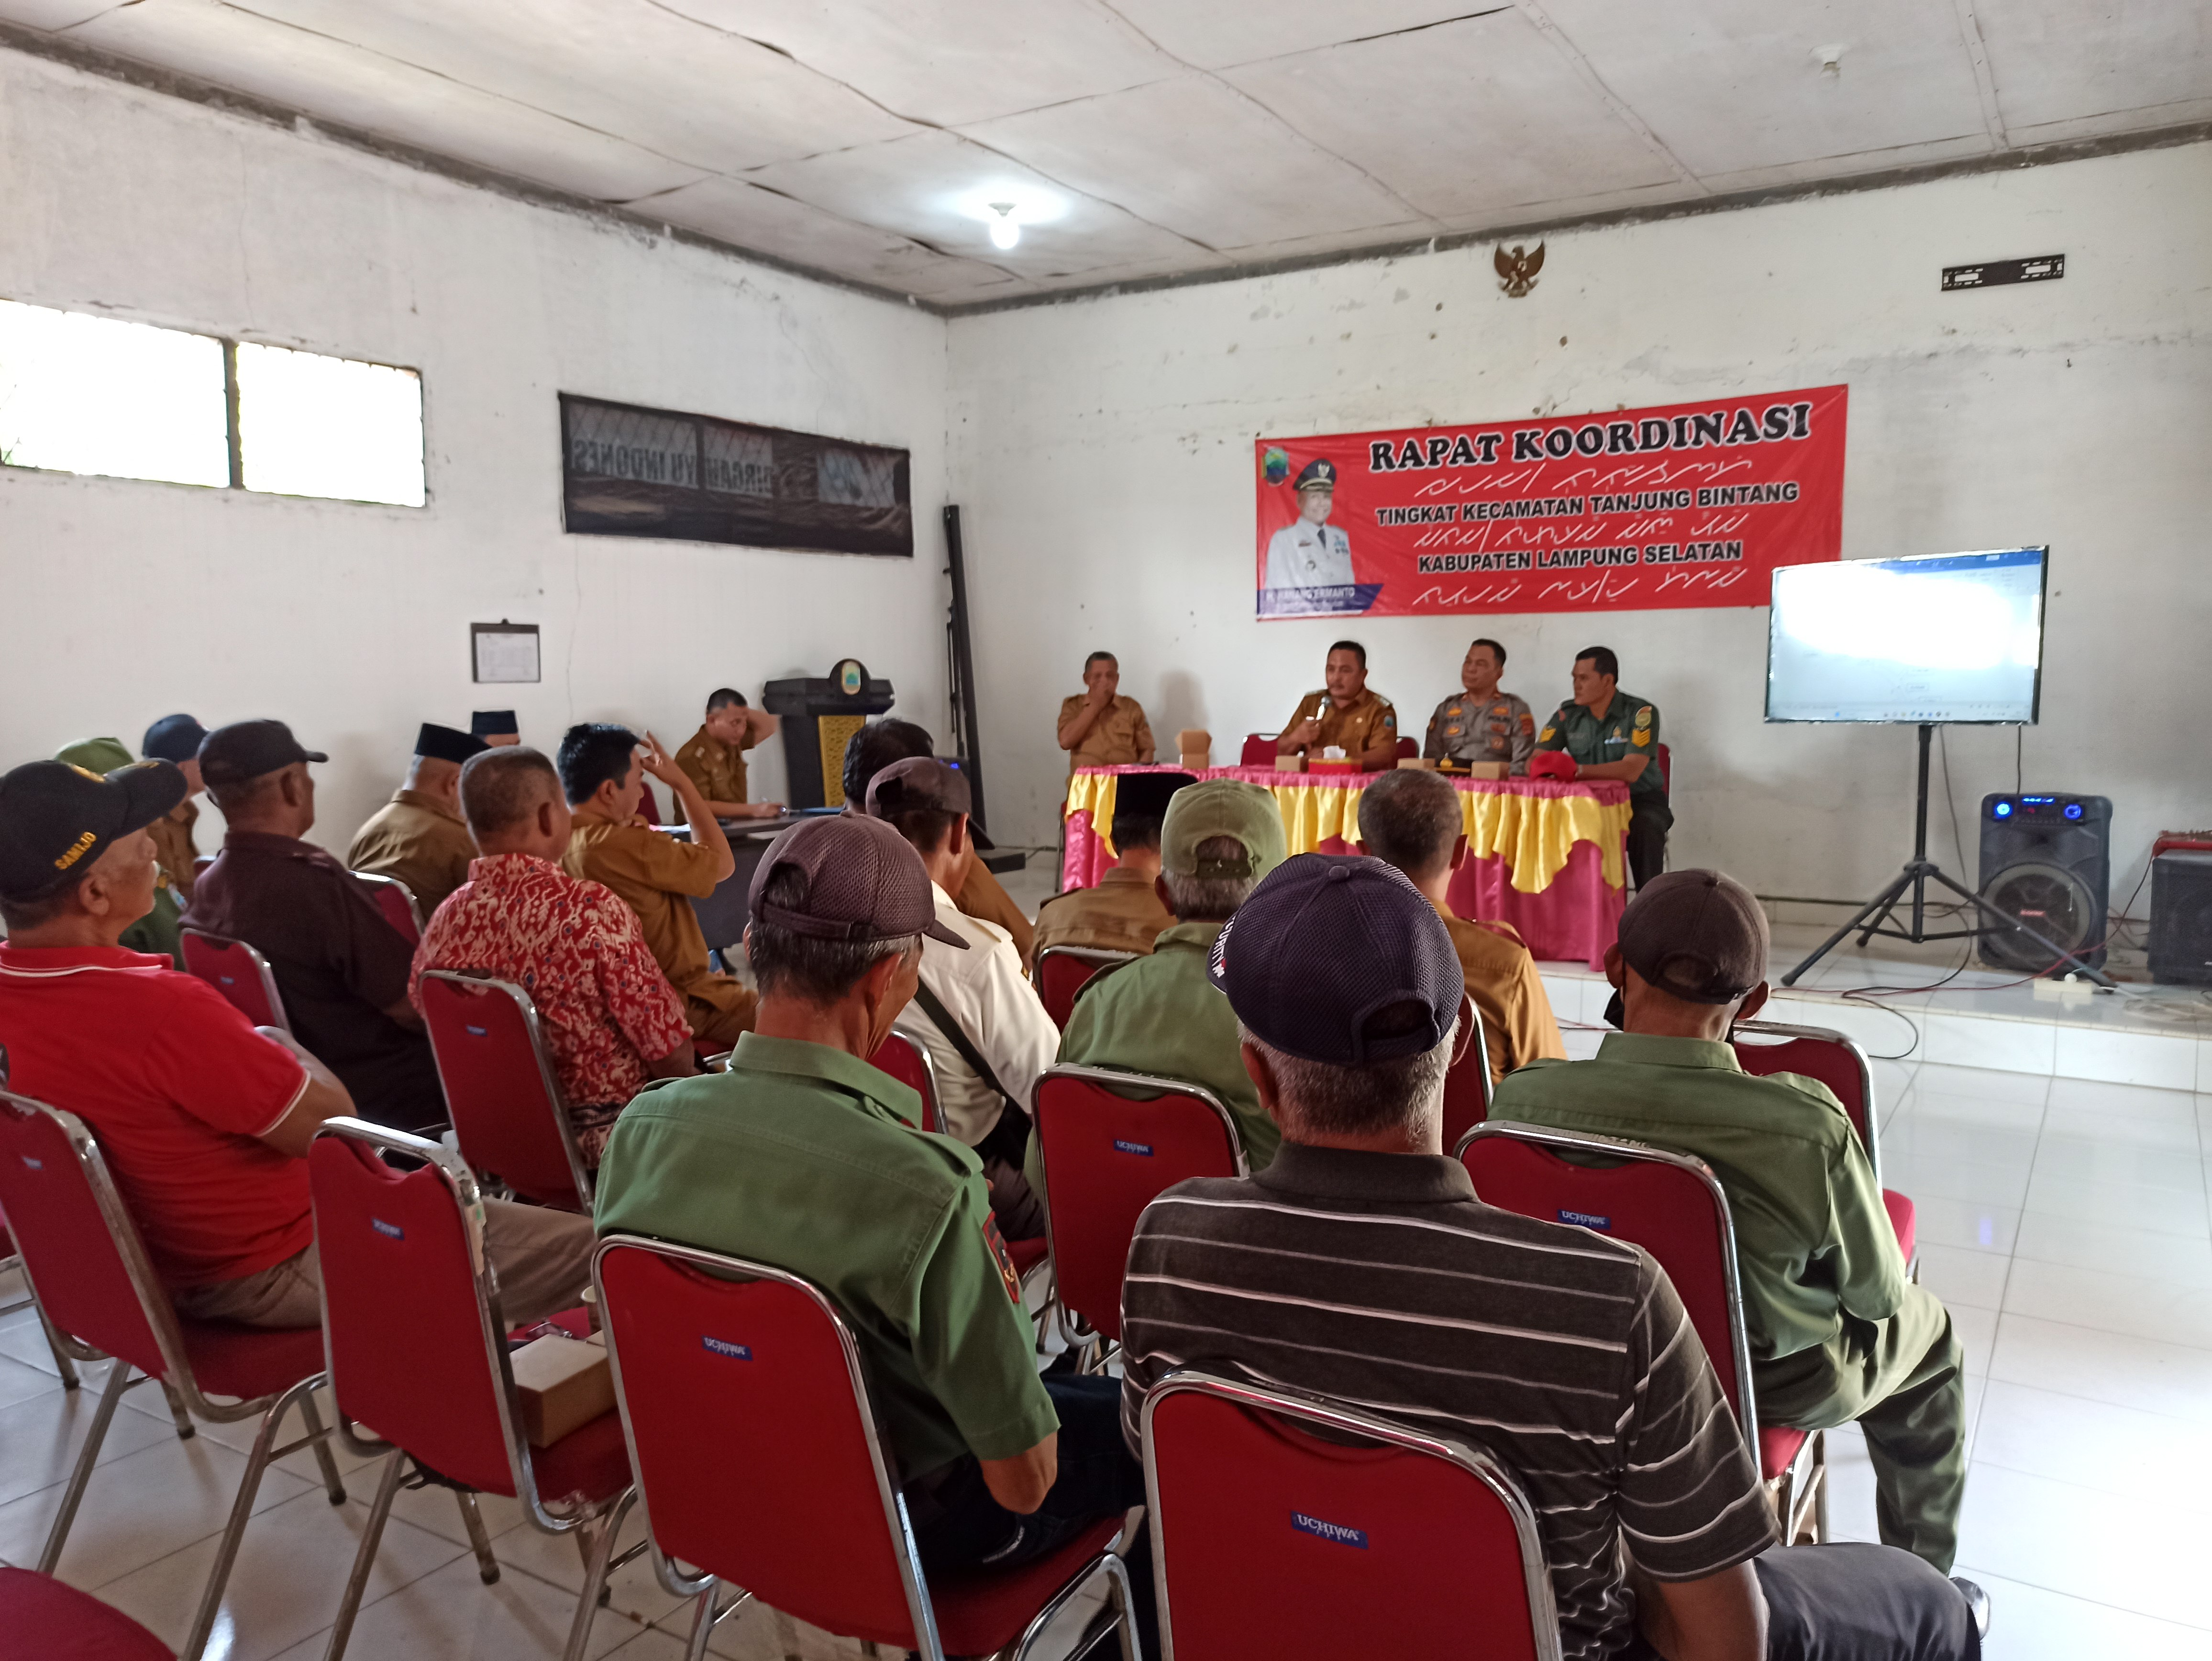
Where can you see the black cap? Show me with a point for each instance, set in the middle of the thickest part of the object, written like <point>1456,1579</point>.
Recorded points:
<point>860,882</point>
<point>56,819</point>
<point>1145,795</point>
<point>1697,935</point>
<point>1319,474</point>
<point>1328,940</point>
<point>446,744</point>
<point>172,738</point>
<point>248,749</point>
<point>493,723</point>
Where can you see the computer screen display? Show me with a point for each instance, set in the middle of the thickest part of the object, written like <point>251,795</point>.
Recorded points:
<point>1943,637</point>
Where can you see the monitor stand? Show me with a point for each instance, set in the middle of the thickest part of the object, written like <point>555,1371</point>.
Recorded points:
<point>1877,916</point>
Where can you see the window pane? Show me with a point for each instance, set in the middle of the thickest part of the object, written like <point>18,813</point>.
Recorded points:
<point>315,426</point>
<point>81,395</point>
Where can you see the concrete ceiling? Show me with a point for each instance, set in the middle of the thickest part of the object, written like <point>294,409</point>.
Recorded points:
<point>1146,138</point>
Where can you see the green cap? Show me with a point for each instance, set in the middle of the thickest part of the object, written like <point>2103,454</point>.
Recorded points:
<point>1222,807</point>
<point>96,755</point>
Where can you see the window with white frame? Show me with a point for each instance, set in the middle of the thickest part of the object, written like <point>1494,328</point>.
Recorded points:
<point>86,394</point>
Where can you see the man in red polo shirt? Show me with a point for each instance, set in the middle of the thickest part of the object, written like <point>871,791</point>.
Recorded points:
<point>204,1121</point>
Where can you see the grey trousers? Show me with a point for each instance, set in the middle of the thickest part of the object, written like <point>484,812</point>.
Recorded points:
<point>543,1259</point>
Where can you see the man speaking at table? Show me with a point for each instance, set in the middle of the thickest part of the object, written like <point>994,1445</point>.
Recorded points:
<point>1345,716</point>
<point>1613,734</point>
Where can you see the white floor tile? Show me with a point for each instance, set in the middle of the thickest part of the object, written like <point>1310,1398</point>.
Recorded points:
<point>1962,1278</point>
<point>2030,1623</point>
<point>451,1615</point>
<point>2158,1375</point>
<point>1995,1046</point>
<point>1981,1083</point>
<point>2075,1158</point>
<point>1963,1180</point>
<point>20,1382</point>
<point>139,1508</point>
<point>635,1590</point>
<point>2095,1444</point>
<point>2087,1544</point>
<point>40,1439</point>
<point>2111,1247</point>
<point>1973,1224</point>
<point>2158,1207</point>
<point>1925,1136</point>
<point>285,1586</point>
<point>2157,1310</point>
<point>2091,1103</point>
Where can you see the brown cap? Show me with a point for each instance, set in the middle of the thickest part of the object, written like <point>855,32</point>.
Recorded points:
<point>1696,934</point>
<point>918,782</point>
<point>864,882</point>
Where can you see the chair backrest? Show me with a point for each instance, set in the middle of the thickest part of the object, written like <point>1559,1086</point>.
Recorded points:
<point>735,1379</point>
<point>1268,1539</point>
<point>1063,970</point>
<point>1822,1053</point>
<point>1259,750</point>
<point>1106,1157</point>
<point>1467,1083</point>
<point>908,1060</point>
<point>396,902</point>
<point>1666,770</point>
<point>411,1327</point>
<point>509,1115</point>
<point>80,1251</point>
<point>1669,1203</point>
<point>239,972</point>
<point>1408,749</point>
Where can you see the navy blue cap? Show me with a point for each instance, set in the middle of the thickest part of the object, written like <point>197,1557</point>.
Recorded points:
<point>1328,941</point>
<point>1319,474</point>
<point>174,738</point>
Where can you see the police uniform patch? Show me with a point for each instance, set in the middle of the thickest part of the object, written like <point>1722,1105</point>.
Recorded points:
<point>997,1243</point>
<point>1451,731</point>
<point>1528,725</point>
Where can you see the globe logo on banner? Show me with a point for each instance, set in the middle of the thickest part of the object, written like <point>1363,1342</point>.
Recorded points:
<point>1674,506</point>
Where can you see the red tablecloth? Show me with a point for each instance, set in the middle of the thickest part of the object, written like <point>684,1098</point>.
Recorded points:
<point>1566,902</point>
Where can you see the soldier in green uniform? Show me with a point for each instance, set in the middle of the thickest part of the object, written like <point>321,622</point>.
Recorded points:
<point>1836,1332</point>
<point>798,1157</point>
<point>1613,734</point>
<point>1159,1014</point>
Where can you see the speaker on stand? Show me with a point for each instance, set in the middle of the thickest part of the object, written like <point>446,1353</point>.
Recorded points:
<point>2048,861</point>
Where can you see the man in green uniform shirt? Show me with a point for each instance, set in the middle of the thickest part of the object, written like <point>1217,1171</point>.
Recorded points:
<point>1836,1332</point>
<point>1160,1013</point>
<point>1613,734</point>
<point>798,1157</point>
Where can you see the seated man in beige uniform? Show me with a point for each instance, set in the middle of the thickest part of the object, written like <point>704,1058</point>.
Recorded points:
<point>419,837</point>
<point>602,769</point>
<point>1122,913</point>
<point>714,757</point>
<point>1344,716</point>
<point>1413,820</point>
<point>1100,727</point>
<point>1481,723</point>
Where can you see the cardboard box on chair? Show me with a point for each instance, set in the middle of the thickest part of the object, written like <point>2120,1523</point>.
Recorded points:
<point>561,1384</point>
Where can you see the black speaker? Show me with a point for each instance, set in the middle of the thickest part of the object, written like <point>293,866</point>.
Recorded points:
<point>2047,861</point>
<point>2181,918</point>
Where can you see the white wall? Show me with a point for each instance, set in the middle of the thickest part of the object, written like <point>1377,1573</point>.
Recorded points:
<point>124,600</point>
<point>1102,451</point>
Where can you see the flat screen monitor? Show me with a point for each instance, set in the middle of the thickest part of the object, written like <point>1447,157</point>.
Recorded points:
<point>1943,637</point>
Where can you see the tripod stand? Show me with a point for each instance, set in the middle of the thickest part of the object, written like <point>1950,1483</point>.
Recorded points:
<point>1877,916</point>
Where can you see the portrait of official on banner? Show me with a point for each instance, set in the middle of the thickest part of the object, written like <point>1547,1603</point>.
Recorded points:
<point>1678,505</point>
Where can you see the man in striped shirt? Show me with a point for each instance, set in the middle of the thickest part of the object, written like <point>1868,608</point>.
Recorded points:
<point>1361,1266</point>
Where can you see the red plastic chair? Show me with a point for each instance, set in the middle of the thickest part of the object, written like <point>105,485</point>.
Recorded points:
<point>1673,1206</point>
<point>1666,770</point>
<point>1268,1539</point>
<point>46,1618</point>
<point>510,1117</point>
<point>396,904</point>
<point>1824,1054</point>
<point>12,1259</point>
<point>239,972</point>
<point>737,1379</point>
<point>1106,1156</point>
<point>1408,749</point>
<point>909,1063</point>
<point>418,1355</point>
<point>1259,750</point>
<point>1466,1083</point>
<point>85,1261</point>
<point>1063,970</point>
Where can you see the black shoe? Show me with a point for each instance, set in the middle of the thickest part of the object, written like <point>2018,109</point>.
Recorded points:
<point>1977,1603</point>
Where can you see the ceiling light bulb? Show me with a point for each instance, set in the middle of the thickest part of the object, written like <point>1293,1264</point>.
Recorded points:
<point>1005,230</point>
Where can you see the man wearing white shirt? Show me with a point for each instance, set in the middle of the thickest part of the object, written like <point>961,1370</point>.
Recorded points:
<point>1309,552</point>
<point>987,1036</point>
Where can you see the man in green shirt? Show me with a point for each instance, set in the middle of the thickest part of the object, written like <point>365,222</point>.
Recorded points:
<point>1836,1332</point>
<point>798,1157</point>
<point>1613,734</point>
<point>1160,1013</point>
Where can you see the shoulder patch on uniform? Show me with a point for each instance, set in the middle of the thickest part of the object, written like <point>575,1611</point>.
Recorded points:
<point>1641,737</point>
<point>1643,716</point>
<point>1000,1255</point>
<point>1545,737</point>
<point>1529,724</point>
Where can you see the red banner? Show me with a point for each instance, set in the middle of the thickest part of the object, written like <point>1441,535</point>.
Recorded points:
<point>1682,505</point>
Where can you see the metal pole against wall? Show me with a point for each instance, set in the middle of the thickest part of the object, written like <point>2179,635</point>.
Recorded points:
<point>966,738</point>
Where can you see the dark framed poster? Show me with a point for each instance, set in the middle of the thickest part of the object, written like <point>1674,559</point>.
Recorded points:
<point>631,471</point>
